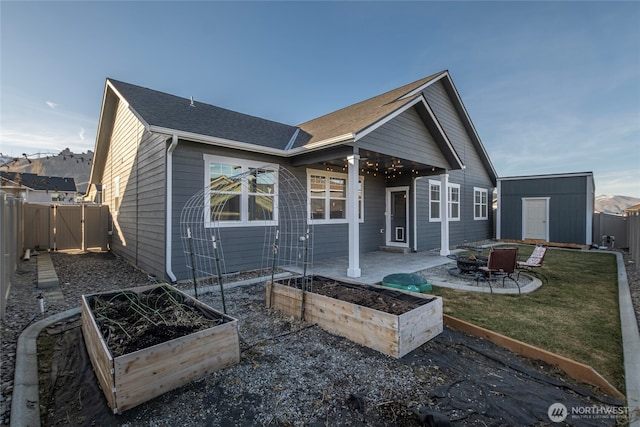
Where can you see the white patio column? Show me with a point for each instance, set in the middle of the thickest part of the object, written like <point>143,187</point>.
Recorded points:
<point>444,212</point>
<point>352,216</point>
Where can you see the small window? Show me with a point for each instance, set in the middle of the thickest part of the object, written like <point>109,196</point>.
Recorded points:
<point>327,196</point>
<point>434,201</point>
<point>454,202</point>
<point>116,194</point>
<point>480,204</point>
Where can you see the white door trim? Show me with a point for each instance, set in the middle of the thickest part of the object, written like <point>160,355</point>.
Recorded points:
<point>391,233</point>
<point>524,215</point>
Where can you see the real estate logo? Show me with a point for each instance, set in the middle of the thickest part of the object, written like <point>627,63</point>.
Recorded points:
<point>557,412</point>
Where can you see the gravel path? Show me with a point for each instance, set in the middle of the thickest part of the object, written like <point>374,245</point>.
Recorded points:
<point>295,374</point>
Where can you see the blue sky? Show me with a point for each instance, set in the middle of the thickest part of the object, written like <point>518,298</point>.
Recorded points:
<point>552,87</point>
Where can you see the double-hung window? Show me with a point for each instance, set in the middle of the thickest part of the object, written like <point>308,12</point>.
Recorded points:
<point>434,201</point>
<point>240,192</point>
<point>327,196</point>
<point>480,203</point>
<point>453,201</point>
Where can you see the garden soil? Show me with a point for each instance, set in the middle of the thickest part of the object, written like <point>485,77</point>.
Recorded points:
<point>454,379</point>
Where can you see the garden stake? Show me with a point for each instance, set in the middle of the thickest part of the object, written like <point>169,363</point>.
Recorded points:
<point>273,266</point>
<point>303,285</point>
<point>193,264</point>
<point>215,251</point>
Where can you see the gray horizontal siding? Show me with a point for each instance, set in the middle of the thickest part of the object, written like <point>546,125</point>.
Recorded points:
<point>151,212</point>
<point>405,137</point>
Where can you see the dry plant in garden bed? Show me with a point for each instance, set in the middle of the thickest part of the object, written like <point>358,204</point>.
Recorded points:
<point>131,321</point>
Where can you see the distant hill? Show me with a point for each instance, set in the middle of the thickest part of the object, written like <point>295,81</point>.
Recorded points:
<point>614,204</point>
<point>66,165</point>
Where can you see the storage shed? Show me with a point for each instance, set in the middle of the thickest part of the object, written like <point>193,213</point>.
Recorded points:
<point>554,208</point>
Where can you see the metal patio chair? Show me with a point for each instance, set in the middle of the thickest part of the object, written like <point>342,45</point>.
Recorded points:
<point>501,263</point>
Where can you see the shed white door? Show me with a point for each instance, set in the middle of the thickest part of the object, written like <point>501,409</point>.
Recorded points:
<point>535,218</point>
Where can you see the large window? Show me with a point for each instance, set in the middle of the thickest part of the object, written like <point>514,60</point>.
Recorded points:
<point>327,195</point>
<point>480,203</point>
<point>453,201</point>
<point>241,192</point>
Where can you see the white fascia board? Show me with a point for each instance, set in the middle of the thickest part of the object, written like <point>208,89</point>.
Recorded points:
<point>420,99</point>
<point>556,175</point>
<point>133,111</point>
<point>347,137</point>
<point>424,86</point>
<point>464,109</point>
<point>229,143</point>
<point>217,141</point>
<point>387,118</point>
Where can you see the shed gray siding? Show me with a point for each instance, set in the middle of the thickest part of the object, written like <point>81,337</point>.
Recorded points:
<point>568,207</point>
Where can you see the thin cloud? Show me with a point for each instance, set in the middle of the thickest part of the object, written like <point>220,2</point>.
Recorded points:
<point>52,105</point>
<point>81,134</point>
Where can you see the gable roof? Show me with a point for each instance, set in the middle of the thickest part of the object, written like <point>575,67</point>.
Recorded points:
<point>160,110</point>
<point>172,115</point>
<point>356,118</point>
<point>41,183</point>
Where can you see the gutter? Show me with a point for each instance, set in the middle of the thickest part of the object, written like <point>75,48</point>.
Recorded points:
<point>169,219</point>
<point>238,145</point>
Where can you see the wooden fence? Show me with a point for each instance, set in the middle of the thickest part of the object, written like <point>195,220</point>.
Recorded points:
<point>11,237</point>
<point>59,227</point>
<point>42,227</point>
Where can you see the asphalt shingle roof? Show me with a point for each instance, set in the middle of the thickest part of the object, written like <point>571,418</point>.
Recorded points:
<point>359,116</point>
<point>173,112</point>
<point>37,182</point>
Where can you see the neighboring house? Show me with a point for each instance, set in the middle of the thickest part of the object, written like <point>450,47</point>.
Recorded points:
<point>39,189</point>
<point>410,157</point>
<point>554,208</point>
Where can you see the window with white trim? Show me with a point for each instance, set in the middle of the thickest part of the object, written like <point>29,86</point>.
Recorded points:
<point>434,200</point>
<point>480,203</point>
<point>248,201</point>
<point>327,196</point>
<point>453,201</point>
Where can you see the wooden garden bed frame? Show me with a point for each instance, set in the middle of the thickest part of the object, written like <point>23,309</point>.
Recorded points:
<point>134,378</point>
<point>393,335</point>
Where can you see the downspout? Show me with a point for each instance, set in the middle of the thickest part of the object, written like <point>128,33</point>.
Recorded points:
<point>169,220</point>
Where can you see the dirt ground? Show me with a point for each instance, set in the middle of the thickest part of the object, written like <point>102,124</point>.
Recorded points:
<point>294,374</point>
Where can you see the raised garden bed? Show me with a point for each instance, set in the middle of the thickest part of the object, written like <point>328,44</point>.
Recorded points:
<point>393,322</point>
<point>143,342</point>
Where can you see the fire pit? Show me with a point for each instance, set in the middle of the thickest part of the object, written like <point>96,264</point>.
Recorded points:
<point>468,264</point>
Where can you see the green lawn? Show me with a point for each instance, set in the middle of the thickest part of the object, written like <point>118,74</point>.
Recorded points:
<point>574,314</point>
